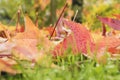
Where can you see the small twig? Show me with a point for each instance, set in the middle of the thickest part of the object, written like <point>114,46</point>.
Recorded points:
<point>103,30</point>
<point>18,20</point>
<point>58,20</point>
<point>14,16</point>
<point>36,21</point>
<point>75,15</point>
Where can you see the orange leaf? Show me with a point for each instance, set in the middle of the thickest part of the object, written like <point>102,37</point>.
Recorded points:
<point>7,67</point>
<point>110,43</point>
<point>27,41</point>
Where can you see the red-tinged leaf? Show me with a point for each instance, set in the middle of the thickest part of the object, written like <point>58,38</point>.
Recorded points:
<point>109,43</point>
<point>79,40</point>
<point>22,29</point>
<point>114,50</point>
<point>19,28</point>
<point>113,23</point>
<point>81,35</point>
<point>50,30</point>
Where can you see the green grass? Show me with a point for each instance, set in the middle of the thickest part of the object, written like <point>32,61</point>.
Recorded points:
<point>70,67</point>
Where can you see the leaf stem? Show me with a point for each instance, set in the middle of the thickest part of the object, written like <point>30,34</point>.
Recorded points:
<point>75,15</point>
<point>18,20</point>
<point>58,20</point>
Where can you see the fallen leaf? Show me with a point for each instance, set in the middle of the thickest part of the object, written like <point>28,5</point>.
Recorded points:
<point>113,23</point>
<point>79,40</point>
<point>27,42</point>
<point>110,43</point>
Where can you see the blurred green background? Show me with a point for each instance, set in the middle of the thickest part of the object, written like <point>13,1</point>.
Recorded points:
<point>47,10</point>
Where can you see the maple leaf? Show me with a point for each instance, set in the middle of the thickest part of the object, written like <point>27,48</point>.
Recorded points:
<point>78,40</point>
<point>27,41</point>
<point>113,23</point>
<point>24,45</point>
<point>24,42</point>
<point>31,31</point>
